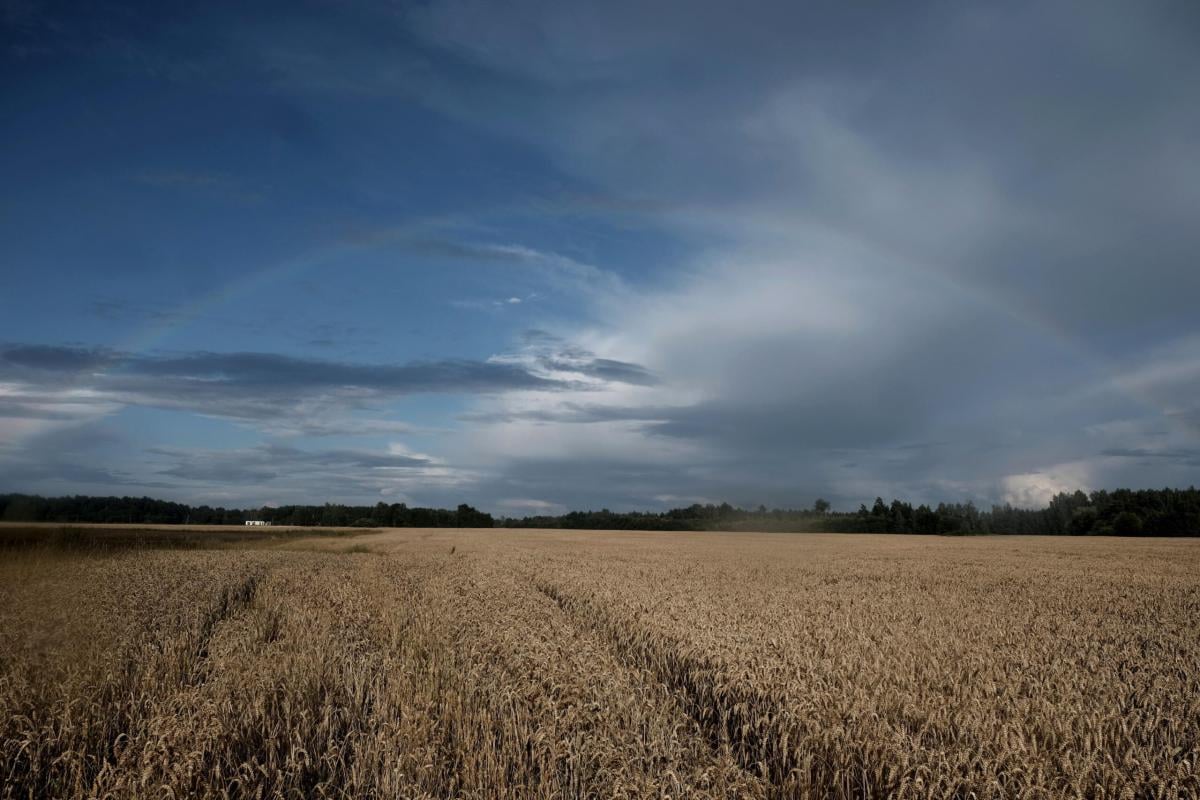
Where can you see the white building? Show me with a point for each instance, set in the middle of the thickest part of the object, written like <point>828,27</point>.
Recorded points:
<point>257,522</point>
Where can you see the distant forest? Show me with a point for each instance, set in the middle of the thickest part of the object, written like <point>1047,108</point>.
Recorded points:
<point>1123,512</point>
<point>146,510</point>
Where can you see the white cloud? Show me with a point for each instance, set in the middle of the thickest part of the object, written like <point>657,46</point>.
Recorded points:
<point>1034,489</point>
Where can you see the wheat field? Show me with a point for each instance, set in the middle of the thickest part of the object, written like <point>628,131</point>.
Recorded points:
<point>547,664</point>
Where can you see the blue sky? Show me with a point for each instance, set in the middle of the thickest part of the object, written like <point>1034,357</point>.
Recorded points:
<point>538,256</point>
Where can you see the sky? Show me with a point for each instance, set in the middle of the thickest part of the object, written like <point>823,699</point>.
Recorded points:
<point>539,256</point>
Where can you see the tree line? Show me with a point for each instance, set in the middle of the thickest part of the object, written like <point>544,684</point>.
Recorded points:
<point>1125,512</point>
<point>146,510</point>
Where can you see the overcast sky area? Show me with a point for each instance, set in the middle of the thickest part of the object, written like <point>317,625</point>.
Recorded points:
<point>539,256</point>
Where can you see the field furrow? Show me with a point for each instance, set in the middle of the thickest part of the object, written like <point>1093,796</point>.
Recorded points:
<point>591,726</point>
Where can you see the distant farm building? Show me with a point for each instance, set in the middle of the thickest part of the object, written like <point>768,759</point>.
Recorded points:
<point>258,522</point>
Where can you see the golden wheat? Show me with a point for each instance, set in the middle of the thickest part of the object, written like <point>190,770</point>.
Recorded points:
<point>502,664</point>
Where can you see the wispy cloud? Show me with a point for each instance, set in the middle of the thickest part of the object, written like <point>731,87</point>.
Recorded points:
<point>555,359</point>
<point>277,393</point>
<point>214,373</point>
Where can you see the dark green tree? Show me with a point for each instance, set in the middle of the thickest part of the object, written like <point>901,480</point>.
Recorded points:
<point>1127,523</point>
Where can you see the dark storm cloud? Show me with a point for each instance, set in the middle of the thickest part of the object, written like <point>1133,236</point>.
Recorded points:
<point>1037,151</point>
<point>1024,172</point>
<point>215,372</point>
<point>280,392</point>
<point>233,372</point>
<point>265,370</point>
<point>1189,418</point>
